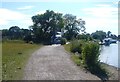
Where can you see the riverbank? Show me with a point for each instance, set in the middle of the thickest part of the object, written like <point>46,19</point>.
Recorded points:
<point>113,71</point>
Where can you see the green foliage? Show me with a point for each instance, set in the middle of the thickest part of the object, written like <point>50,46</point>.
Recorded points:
<point>82,36</point>
<point>27,38</point>
<point>86,37</point>
<point>5,32</point>
<point>89,58</point>
<point>63,41</point>
<point>99,35</point>
<point>90,54</point>
<point>76,59</point>
<point>73,26</point>
<point>67,47</point>
<point>76,46</point>
<point>46,25</point>
<point>15,33</point>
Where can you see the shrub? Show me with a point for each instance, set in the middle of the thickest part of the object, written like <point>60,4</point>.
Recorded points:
<point>31,42</point>
<point>76,46</point>
<point>27,38</point>
<point>90,55</point>
<point>63,41</point>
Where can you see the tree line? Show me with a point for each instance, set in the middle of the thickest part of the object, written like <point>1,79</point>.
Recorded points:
<point>48,24</point>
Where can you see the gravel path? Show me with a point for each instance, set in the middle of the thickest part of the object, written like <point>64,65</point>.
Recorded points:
<point>53,63</point>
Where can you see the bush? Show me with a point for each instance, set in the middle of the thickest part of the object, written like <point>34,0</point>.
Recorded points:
<point>27,38</point>
<point>90,55</point>
<point>31,42</point>
<point>63,41</point>
<point>76,46</point>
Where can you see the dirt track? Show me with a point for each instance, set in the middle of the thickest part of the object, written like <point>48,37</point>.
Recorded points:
<point>54,63</point>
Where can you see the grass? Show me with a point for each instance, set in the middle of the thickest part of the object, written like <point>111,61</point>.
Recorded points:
<point>101,72</point>
<point>75,58</point>
<point>67,47</point>
<point>15,55</point>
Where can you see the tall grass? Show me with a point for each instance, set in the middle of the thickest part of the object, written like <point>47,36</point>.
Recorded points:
<point>76,46</point>
<point>14,57</point>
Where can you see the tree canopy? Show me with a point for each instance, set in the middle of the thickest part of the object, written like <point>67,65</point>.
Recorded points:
<point>99,35</point>
<point>73,26</point>
<point>45,25</point>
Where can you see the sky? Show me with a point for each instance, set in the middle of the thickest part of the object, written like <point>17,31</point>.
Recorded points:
<point>98,14</point>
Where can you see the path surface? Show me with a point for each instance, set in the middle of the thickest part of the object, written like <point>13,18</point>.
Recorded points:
<point>53,63</point>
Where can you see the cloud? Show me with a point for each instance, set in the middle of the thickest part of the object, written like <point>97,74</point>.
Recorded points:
<point>101,10</point>
<point>40,12</point>
<point>10,17</point>
<point>7,14</point>
<point>93,24</point>
<point>101,17</point>
<point>117,2</point>
<point>3,22</point>
<point>43,11</point>
<point>103,5</point>
<point>25,7</point>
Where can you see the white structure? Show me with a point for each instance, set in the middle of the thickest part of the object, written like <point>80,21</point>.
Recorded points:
<point>58,34</point>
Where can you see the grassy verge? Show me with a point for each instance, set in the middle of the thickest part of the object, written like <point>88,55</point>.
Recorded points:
<point>14,57</point>
<point>75,58</point>
<point>96,69</point>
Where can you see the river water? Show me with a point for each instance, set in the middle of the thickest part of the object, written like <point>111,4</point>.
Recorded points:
<point>109,54</point>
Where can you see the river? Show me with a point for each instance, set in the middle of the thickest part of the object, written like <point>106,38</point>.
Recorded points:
<point>109,54</point>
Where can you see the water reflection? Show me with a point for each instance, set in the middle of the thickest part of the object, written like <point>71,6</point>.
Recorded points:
<point>109,54</point>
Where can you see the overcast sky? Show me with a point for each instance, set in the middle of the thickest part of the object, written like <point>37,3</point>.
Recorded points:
<point>98,15</point>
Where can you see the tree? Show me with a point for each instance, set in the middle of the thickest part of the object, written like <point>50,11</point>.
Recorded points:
<point>108,34</point>
<point>84,36</point>
<point>15,32</point>
<point>113,36</point>
<point>73,26</point>
<point>5,34</point>
<point>46,25</point>
<point>100,35</point>
<point>25,32</point>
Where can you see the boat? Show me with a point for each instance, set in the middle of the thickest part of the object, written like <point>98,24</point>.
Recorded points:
<point>108,41</point>
<point>113,41</point>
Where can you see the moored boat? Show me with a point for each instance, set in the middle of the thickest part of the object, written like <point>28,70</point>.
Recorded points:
<point>108,41</point>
